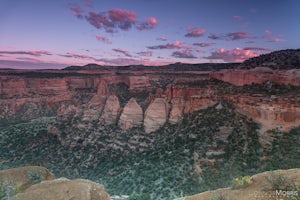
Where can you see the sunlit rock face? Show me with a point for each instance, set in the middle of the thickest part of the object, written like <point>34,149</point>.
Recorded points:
<point>111,111</point>
<point>132,115</point>
<point>155,115</point>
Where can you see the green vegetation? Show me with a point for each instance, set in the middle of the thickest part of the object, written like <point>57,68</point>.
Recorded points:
<point>281,182</point>
<point>241,182</point>
<point>162,164</point>
<point>214,196</point>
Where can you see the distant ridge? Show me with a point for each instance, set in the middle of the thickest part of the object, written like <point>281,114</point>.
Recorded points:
<point>283,59</point>
<point>174,66</point>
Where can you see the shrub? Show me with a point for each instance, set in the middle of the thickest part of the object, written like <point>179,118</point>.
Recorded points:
<point>135,196</point>
<point>241,182</point>
<point>281,182</point>
<point>215,196</point>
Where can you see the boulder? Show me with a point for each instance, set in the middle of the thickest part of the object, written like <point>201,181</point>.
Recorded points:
<point>132,115</point>
<point>64,189</point>
<point>24,177</point>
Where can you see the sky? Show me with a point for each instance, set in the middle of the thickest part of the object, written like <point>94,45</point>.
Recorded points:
<point>38,34</point>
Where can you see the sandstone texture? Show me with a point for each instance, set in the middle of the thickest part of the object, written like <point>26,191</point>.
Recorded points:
<point>155,115</point>
<point>132,115</point>
<point>111,111</point>
<point>64,189</point>
<point>23,177</point>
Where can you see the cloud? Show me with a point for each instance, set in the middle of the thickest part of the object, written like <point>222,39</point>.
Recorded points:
<point>195,32</point>
<point>162,39</point>
<point>145,53</point>
<point>230,36</point>
<point>175,45</point>
<point>35,64</point>
<point>117,19</point>
<point>148,25</point>
<point>103,39</point>
<point>77,11</point>
<point>31,53</point>
<point>269,36</point>
<point>235,55</point>
<point>187,53</point>
<point>214,36</point>
<point>257,48</point>
<point>112,20</point>
<point>237,35</point>
<point>89,3</point>
<point>124,52</point>
<point>237,17</point>
<point>204,44</point>
<point>76,55</point>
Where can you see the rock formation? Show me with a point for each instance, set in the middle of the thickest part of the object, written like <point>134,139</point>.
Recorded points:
<point>155,115</point>
<point>63,189</point>
<point>132,115</point>
<point>111,111</point>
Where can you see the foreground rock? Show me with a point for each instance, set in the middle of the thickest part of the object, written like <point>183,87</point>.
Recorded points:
<point>261,188</point>
<point>23,177</point>
<point>64,189</point>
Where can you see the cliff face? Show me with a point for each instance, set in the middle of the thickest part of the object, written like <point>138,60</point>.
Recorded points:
<point>258,75</point>
<point>152,99</point>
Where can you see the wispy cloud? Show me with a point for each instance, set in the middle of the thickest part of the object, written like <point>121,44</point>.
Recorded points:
<point>204,44</point>
<point>257,49</point>
<point>187,53</point>
<point>195,32</point>
<point>77,55</point>
<point>30,64</point>
<point>124,52</point>
<point>76,11</point>
<point>145,53</point>
<point>269,36</point>
<point>162,38</point>
<point>31,53</point>
<point>234,55</point>
<point>175,45</point>
<point>237,17</point>
<point>230,36</point>
<point>103,39</point>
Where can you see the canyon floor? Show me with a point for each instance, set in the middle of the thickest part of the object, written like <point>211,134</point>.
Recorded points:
<point>154,132</point>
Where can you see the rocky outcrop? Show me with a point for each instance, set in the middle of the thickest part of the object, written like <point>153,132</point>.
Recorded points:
<point>23,177</point>
<point>64,189</point>
<point>176,113</point>
<point>258,75</point>
<point>132,115</point>
<point>139,83</point>
<point>155,115</point>
<point>111,111</point>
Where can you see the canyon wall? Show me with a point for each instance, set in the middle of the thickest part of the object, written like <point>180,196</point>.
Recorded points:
<point>150,101</point>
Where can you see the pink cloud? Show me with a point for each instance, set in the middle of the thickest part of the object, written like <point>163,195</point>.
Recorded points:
<point>269,36</point>
<point>187,53</point>
<point>76,55</point>
<point>162,39</point>
<point>195,32</point>
<point>112,20</point>
<point>118,19</point>
<point>145,53</point>
<point>257,48</point>
<point>77,11</point>
<point>238,35</point>
<point>31,53</point>
<point>215,36</point>
<point>124,52</point>
<point>235,55</point>
<point>103,39</point>
<point>89,3</point>
<point>175,45</point>
<point>204,44</point>
<point>148,25</point>
<point>237,17</point>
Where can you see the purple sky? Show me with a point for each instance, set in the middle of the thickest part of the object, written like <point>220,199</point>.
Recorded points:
<point>58,33</point>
